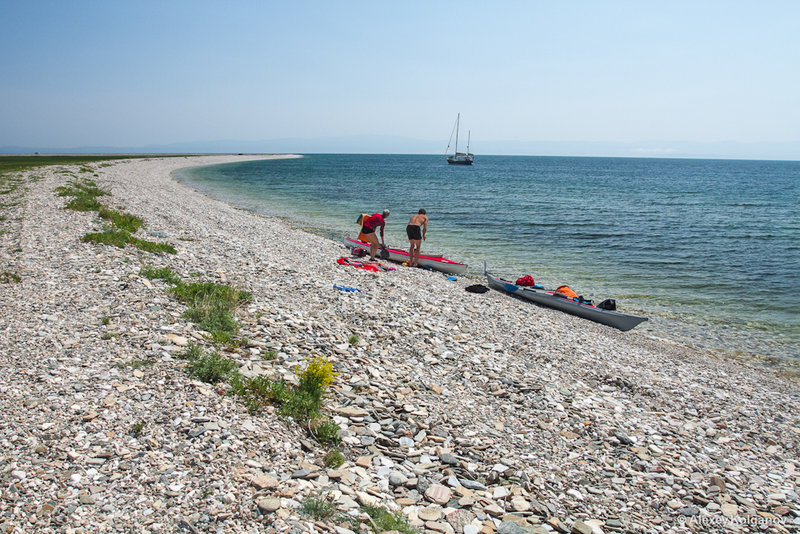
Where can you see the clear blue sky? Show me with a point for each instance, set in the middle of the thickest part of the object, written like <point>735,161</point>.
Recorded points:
<point>113,73</point>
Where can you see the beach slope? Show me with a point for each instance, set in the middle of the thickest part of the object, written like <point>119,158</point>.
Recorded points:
<point>462,412</point>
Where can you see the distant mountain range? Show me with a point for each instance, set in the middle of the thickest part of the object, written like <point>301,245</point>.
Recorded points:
<point>401,145</point>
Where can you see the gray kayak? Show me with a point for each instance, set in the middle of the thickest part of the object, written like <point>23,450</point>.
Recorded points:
<point>551,299</point>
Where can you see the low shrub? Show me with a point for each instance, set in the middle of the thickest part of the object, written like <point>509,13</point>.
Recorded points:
<point>316,377</point>
<point>191,352</point>
<point>334,459</point>
<point>303,403</point>
<point>324,431</point>
<point>318,507</point>
<point>211,368</point>
<point>384,520</point>
<point>259,391</point>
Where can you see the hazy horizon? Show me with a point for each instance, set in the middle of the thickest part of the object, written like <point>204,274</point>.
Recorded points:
<point>393,146</point>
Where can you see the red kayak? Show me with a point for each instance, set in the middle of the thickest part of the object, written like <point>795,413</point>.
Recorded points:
<point>401,256</point>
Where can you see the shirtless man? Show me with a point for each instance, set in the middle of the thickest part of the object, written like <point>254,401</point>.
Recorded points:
<point>416,229</point>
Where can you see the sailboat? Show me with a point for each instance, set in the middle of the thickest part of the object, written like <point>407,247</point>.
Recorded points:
<point>459,158</point>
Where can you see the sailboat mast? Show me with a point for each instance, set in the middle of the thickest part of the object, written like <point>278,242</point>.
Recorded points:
<point>458,120</point>
<point>469,133</point>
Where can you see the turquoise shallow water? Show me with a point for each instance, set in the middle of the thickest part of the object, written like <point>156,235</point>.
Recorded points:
<point>708,249</point>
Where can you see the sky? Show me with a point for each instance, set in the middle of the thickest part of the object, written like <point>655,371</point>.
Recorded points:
<point>648,78</point>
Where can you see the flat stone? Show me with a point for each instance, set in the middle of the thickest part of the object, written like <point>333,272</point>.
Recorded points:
<point>262,482</point>
<point>729,510</point>
<point>438,494</point>
<point>366,499</point>
<point>268,505</point>
<point>177,340</point>
<point>458,519</point>
<point>351,411</point>
<point>430,513</point>
<point>520,504</point>
<point>579,527</point>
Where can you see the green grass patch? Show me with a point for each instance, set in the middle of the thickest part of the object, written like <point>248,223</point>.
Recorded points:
<point>137,428</point>
<point>120,238</point>
<point>83,204</point>
<point>123,221</point>
<point>211,307</point>
<point>84,195</point>
<point>84,198</point>
<point>7,277</point>
<point>117,238</point>
<point>200,293</point>
<point>258,392</point>
<point>24,163</point>
<point>163,273</point>
<point>150,246</point>
<point>324,430</point>
<point>216,317</point>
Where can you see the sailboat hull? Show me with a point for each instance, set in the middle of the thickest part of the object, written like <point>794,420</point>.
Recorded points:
<point>459,161</point>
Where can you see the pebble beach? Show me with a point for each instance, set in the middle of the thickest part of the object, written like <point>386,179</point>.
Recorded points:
<point>464,413</point>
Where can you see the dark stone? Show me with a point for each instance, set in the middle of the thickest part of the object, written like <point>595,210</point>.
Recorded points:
<point>197,431</point>
<point>448,459</point>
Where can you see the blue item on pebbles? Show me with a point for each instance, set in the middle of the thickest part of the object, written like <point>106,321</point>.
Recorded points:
<point>345,288</point>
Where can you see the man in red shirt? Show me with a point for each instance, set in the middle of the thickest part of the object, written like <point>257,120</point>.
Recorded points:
<point>368,230</point>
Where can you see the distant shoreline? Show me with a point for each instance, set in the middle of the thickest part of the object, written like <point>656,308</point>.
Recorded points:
<point>635,153</point>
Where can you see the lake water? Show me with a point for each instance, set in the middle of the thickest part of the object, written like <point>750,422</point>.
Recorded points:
<point>708,249</point>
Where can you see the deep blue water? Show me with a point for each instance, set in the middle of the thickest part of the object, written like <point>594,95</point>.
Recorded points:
<point>708,249</point>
